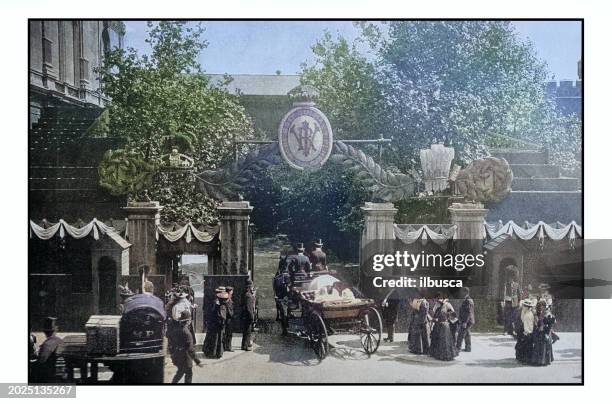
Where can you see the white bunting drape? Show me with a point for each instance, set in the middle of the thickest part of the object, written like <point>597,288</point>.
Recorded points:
<point>409,233</point>
<point>540,230</point>
<point>95,228</point>
<point>188,231</point>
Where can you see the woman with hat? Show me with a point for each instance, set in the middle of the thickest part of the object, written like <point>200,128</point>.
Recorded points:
<point>442,342</point>
<point>542,339</point>
<point>524,332</point>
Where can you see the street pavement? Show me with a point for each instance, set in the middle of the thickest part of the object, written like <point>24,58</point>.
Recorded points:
<point>275,359</point>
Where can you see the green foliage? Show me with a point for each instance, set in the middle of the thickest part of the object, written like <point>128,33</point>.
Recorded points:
<point>163,99</point>
<point>309,205</point>
<point>420,82</point>
<point>122,172</point>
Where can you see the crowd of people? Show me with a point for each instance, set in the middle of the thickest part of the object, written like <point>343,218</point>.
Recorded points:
<point>219,322</point>
<point>434,328</point>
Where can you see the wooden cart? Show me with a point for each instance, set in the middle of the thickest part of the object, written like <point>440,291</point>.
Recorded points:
<point>315,320</point>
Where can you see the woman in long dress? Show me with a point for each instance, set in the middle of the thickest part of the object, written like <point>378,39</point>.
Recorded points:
<point>442,343</point>
<point>524,332</point>
<point>542,340</point>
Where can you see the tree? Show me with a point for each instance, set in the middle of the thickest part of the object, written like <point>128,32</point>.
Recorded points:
<point>163,99</point>
<point>462,83</point>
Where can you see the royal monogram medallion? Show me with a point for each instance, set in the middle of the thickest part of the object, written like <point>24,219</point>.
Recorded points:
<point>305,138</point>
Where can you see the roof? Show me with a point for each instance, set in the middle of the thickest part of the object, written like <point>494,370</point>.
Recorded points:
<point>257,84</point>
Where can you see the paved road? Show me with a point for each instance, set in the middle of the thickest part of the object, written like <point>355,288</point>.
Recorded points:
<point>279,360</point>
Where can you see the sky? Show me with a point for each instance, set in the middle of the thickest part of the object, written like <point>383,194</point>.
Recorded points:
<point>263,47</point>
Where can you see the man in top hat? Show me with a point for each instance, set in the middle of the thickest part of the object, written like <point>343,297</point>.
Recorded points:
<point>227,339</point>
<point>300,263</point>
<point>318,259</point>
<point>182,350</point>
<point>466,321</point>
<point>248,315</point>
<point>48,352</point>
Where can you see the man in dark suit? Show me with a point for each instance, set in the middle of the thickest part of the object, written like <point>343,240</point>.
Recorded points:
<point>48,353</point>
<point>318,259</point>
<point>466,321</point>
<point>227,338</point>
<point>248,315</point>
<point>182,351</point>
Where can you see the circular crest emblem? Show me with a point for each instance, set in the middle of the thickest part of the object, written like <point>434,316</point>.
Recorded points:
<point>305,138</point>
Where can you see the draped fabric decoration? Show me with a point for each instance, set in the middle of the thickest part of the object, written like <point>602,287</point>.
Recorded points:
<point>438,233</point>
<point>555,231</point>
<point>188,231</point>
<point>95,228</point>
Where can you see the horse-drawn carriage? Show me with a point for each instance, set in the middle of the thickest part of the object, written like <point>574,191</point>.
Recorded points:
<point>316,305</point>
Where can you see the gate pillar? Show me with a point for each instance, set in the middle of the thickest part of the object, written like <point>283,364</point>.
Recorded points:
<point>469,219</point>
<point>143,219</point>
<point>234,237</point>
<point>378,225</point>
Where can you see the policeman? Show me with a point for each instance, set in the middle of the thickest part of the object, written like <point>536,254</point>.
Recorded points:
<point>318,258</point>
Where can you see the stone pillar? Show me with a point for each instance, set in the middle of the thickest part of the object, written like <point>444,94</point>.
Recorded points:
<point>143,219</point>
<point>379,218</point>
<point>469,219</point>
<point>234,237</point>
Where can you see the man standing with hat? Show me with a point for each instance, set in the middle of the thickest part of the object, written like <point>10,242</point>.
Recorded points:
<point>182,349</point>
<point>318,258</point>
<point>248,315</point>
<point>213,343</point>
<point>227,338</point>
<point>48,352</point>
<point>466,321</point>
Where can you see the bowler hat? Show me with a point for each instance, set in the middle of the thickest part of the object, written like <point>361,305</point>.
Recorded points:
<point>49,324</point>
<point>300,247</point>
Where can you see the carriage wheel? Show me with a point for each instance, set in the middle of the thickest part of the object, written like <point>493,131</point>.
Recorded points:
<point>370,330</point>
<point>318,336</point>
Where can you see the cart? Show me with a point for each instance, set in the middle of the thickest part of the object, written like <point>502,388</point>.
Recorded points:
<point>319,305</point>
